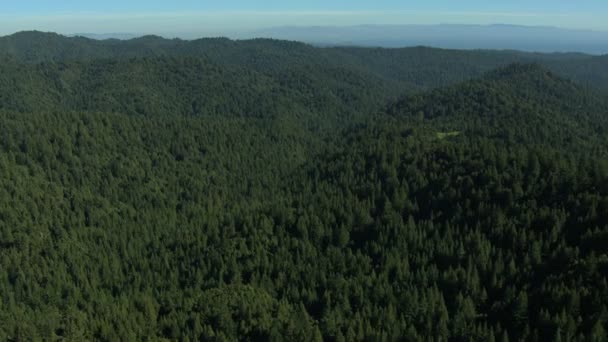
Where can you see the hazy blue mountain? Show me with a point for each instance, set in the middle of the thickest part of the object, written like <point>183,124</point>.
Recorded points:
<point>526,38</point>
<point>104,36</point>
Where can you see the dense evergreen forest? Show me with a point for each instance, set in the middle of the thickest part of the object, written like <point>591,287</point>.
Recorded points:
<point>259,190</point>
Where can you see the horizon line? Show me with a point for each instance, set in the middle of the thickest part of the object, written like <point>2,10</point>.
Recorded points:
<point>164,35</point>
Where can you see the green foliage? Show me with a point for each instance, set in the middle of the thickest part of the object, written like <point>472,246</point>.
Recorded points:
<point>183,198</point>
<point>444,135</point>
<point>412,69</point>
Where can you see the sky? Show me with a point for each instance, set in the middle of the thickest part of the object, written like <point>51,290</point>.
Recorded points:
<point>231,17</point>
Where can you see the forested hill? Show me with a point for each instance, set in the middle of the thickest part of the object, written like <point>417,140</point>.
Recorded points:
<point>192,86</point>
<point>419,68</point>
<point>267,190</point>
<point>489,196</point>
<point>526,103</point>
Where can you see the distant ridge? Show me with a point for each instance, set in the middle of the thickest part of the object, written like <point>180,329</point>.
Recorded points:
<point>453,36</point>
<point>105,36</point>
<point>419,68</point>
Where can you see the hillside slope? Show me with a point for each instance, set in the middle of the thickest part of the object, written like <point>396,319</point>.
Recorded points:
<point>191,86</point>
<point>523,103</point>
<point>416,68</point>
<point>494,203</point>
<point>182,198</point>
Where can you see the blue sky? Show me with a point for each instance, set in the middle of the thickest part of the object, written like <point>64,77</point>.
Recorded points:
<point>50,6</point>
<point>179,17</point>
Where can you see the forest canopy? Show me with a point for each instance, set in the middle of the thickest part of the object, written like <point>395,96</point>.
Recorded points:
<point>269,190</point>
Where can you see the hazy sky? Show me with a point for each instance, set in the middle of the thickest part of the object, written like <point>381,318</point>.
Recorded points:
<point>178,17</point>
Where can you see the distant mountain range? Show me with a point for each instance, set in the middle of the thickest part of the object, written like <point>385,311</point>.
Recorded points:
<point>104,36</point>
<point>508,37</point>
<point>414,68</point>
<point>452,36</point>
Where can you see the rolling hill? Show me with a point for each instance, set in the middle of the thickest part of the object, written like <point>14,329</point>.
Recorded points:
<point>419,68</point>
<point>269,190</point>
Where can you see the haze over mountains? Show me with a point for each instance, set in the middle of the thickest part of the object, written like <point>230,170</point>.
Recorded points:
<point>103,36</point>
<point>452,36</point>
<point>502,37</point>
<point>270,190</point>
